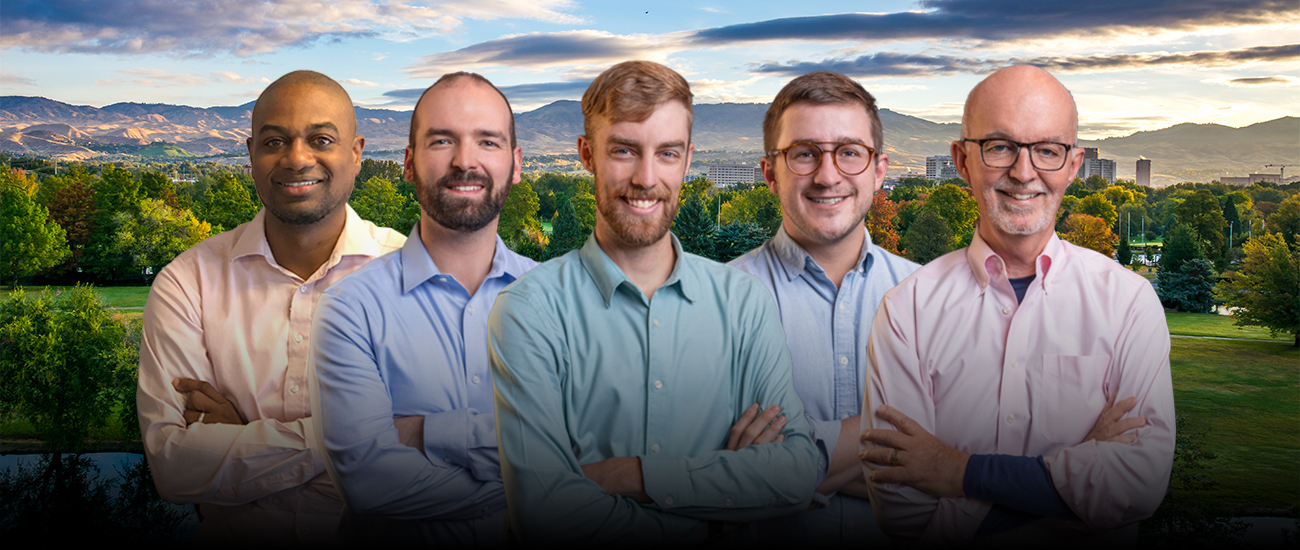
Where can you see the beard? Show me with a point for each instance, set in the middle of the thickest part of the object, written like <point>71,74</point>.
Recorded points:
<point>461,213</point>
<point>1019,220</point>
<point>637,231</point>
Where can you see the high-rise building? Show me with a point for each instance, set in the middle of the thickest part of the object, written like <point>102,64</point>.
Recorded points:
<point>1144,172</point>
<point>1097,167</point>
<point>1090,153</point>
<point>940,168</point>
<point>731,173</point>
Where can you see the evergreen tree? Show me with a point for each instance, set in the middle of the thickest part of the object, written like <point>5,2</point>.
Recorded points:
<point>1180,246</point>
<point>694,228</point>
<point>1124,255</point>
<point>733,240</point>
<point>928,238</point>
<point>1191,289</point>
<point>566,232</point>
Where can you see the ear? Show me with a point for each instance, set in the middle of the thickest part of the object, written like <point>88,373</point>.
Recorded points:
<point>769,173</point>
<point>958,151</point>
<point>248,143</point>
<point>882,167</point>
<point>690,152</point>
<point>519,166</point>
<point>358,145</point>
<point>408,165</point>
<point>584,154</point>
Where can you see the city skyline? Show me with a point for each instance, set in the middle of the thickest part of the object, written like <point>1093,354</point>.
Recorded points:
<point>1131,66</point>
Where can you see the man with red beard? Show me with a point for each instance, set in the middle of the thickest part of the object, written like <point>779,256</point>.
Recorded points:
<point>399,349</point>
<point>622,368</point>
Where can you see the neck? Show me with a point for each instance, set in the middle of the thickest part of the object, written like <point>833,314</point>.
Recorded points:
<point>648,267</point>
<point>837,258</point>
<point>465,255</point>
<point>1019,252</point>
<point>302,249</point>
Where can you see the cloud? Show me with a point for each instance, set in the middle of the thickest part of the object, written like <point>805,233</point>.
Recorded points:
<point>155,77</point>
<point>544,50</point>
<point>1251,81</point>
<point>361,83</point>
<point>240,27</point>
<point>233,78</point>
<point>10,79</point>
<point>1007,20</point>
<point>892,64</point>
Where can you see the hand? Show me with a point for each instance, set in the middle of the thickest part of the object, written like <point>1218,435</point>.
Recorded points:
<point>1110,427</point>
<point>204,401</point>
<point>921,459</point>
<point>619,476</point>
<point>410,431</point>
<point>756,429</point>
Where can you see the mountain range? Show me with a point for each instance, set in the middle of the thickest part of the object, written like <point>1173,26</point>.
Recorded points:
<point>45,127</point>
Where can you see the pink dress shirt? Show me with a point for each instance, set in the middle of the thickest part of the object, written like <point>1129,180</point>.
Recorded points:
<point>952,349</point>
<point>226,313</point>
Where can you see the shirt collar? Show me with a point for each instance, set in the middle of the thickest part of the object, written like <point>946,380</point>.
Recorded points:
<point>608,276</point>
<point>418,266</point>
<point>794,259</point>
<point>356,239</point>
<point>987,266</point>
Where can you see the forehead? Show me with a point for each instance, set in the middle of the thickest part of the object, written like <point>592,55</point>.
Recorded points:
<point>303,105</point>
<point>1023,113</point>
<point>463,102</point>
<point>824,122</point>
<point>670,122</point>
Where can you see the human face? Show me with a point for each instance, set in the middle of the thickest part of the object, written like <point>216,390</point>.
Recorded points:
<point>305,153</point>
<point>462,164</point>
<point>1021,105</point>
<point>638,168</point>
<point>826,207</point>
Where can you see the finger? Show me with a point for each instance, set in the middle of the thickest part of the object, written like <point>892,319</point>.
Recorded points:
<point>758,426</point>
<point>191,416</point>
<point>186,384</point>
<point>1118,410</point>
<point>899,420</point>
<point>1119,428</point>
<point>212,393</point>
<point>738,430</point>
<point>888,475</point>
<point>773,430</point>
<point>1124,438</point>
<point>202,403</point>
<point>880,455</point>
<point>779,438</point>
<point>887,438</point>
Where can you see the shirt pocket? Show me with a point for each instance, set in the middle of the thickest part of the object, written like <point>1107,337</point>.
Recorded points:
<point>1073,396</point>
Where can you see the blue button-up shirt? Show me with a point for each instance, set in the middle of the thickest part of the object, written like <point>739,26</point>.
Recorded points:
<point>827,328</point>
<point>587,368</point>
<point>400,338</point>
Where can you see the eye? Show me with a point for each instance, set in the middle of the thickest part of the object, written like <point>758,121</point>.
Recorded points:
<point>439,142</point>
<point>274,142</point>
<point>489,143</point>
<point>322,141</point>
<point>999,147</point>
<point>620,152</point>
<point>1047,151</point>
<point>850,152</point>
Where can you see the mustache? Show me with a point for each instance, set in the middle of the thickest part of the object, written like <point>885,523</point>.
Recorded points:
<point>1010,185</point>
<point>462,176</point>
<point>655,193</point>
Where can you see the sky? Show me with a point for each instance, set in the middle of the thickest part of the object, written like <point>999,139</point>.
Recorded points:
<point>1132,65</point>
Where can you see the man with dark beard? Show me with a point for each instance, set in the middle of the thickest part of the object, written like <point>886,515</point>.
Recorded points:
<point>628,373</point>
<point>399,349</point>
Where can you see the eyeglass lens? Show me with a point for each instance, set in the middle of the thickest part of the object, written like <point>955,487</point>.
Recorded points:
<point>1000,153</point>
<point>806,158</point>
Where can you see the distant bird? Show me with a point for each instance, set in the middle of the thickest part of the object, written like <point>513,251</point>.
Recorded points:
<point>647,13</point>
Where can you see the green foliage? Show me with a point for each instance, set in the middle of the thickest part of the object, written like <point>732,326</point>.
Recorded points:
<point>957,208</point>
<point>1287,220</point>
<point>694,228</point>
<point>744,207</point>
<point>1124,254</point>
<point>29,241</point>
<point>156,186</point>
<point>1095,183</point>
<point>1189,289</point>
<point>378,201</point>
<point>1201,213</point>
<point>584,208</point>
<point>920,183</point>
<point>1180,245</point>
<point>1178,523</point>
<point>733,240</point>
<point>227,203</point>
<point>1069,205</point>
<point>383,169</point>
<point>1077,189</point>
<point>566,232</point>
<point>157,235</point>
<point>1266,291</point>
<point>928,238</point>
<point>519,215</point>
<point>901,194</point>
<point>1097,205</point>
<point>66,362</point>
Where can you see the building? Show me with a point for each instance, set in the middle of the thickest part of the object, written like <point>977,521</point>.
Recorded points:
<point>1094,165</point>
<point>731,173</point>
<point>940,168</point>
<point>1144,172</point>
<point>1252,179</point>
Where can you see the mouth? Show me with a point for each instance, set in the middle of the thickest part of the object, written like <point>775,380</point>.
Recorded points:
<point>828,201</point>
<point>641,203</point>
<point>467,188</point>
<point>1022,196</point>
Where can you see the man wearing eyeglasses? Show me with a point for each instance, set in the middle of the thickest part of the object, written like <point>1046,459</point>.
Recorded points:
<point>823,140</point>
<point>991,362</point>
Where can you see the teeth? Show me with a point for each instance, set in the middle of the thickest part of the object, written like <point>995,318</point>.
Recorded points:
<point>826,201</point>
<point>300,183</point>
<point>1024,197</point>
<point>468,187</point>
<point>642,203</point>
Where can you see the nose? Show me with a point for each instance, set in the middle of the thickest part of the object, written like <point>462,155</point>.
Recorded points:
<point>644,176</point>
<point>299,156</point>
<point>465,157</point>
<point>827,173</point>
<point>1023,169</point>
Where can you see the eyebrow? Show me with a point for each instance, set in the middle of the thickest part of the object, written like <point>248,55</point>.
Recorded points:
<point>478,133</point>
<point>999,134</point>
<point>618,140</point>
<point>841,139</point>
<point>283,130</point>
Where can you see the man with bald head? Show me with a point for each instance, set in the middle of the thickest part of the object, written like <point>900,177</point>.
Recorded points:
<point>222,392</point>
<point>1027,378</point>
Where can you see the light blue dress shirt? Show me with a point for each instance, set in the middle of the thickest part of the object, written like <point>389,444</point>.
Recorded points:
<point>586,368</point>
<point>399,338</point>
<point>827,328</point>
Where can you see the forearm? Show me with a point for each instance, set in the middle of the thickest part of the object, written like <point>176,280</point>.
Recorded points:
<point>1022,483</point>
<point>466,438</point>
<point>844,466</point>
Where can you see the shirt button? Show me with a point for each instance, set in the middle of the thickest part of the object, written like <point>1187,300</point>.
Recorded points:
<point>844,360</point>
<point>1006,310</point>
<point>1011,418</point>
<point>841,307</point>
<point>293,388</point>
<point>844,416</point>
<point>302,289</point>
<point>297,338</point>
<point>658,385</point>
<point>668,501</point>
<point>654,448</point>
<point>656,322</point>
<point>475,379</point>
<point>469,310</point>
<point>1015,364</point>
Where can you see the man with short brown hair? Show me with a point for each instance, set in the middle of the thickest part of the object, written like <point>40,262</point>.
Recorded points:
<point>622,368</point>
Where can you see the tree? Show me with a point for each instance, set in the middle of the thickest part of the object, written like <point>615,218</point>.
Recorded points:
<point>733,240</point>
<point>155,236</point>
<point>1201,213</point>
<point>1089,232</point>
<point>880,222</point>
<point>1069,205</point>
<point>1118,196</point>
<point>156,186</point>
<point>114,192</point>
<point>744,207</point>
<point>1124,255</point>
<point>1191,289</point>
<point>768,217</point>
<point>566,232</point>
<point>903,194</point>
<point>694,228</point>
<point>928,238</point>
<point>957,208</point>
<point>1180,246</point>
<point>1095,183</point>
<point>227,204</point>
<point>1266,291</point>
<point>30,242</point>
<point>1286,220</point>
<point>1097,205</point>
<point>584,207</point>
<point>519,215</point>
<point>378,201</point>
<point>73,208</point>
<point>382,169</point>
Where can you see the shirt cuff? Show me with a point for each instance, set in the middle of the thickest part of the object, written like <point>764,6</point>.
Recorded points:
<point>826,435</point>
<point>446,436</point>
<point>1020,483</point>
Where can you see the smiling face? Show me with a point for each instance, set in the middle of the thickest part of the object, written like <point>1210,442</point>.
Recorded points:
<point>304,152</point>
<point>1027,105</point>
<point>462,162</point>
<point>638,168</point>
<point>825,207</point>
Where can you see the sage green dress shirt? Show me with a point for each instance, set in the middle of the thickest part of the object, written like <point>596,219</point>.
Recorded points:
<point>586,368</point>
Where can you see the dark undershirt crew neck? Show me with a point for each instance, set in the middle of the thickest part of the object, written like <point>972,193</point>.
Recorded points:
<point>1020,285</point>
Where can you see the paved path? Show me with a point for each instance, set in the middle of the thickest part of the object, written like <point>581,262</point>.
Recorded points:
<point>1226,338</point>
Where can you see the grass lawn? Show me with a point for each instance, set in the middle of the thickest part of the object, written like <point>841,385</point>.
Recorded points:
<point>1245,398</point>
<point>1211,324</point>
<point>114,296</point>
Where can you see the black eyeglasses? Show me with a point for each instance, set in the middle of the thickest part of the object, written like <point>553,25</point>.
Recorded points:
<point>1002,153</point>
<point>805,157</point>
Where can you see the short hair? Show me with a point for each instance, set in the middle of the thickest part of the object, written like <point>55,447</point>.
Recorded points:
<point>313,78</point>
<point>631,91</point>
<point>820,88</point>
<point>458,75</point>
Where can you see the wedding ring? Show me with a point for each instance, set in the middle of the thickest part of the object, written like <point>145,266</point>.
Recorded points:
<point>893,458</point>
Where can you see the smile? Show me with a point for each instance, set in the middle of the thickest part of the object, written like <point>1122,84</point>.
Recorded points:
<point>826,201</point>
<point>1020,196</point>
<point>467,188</point>
<point>642,203</point>
<point>299,183</point>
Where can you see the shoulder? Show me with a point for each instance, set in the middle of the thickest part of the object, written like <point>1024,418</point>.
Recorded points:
<point>739,291</point>
<point>388,239</point>
<point>542,280</point>
<point>378,277</point>
<point>896,266</point>
<point>216,251</point>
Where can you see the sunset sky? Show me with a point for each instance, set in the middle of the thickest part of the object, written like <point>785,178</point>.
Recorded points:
<point>1132,65</point>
